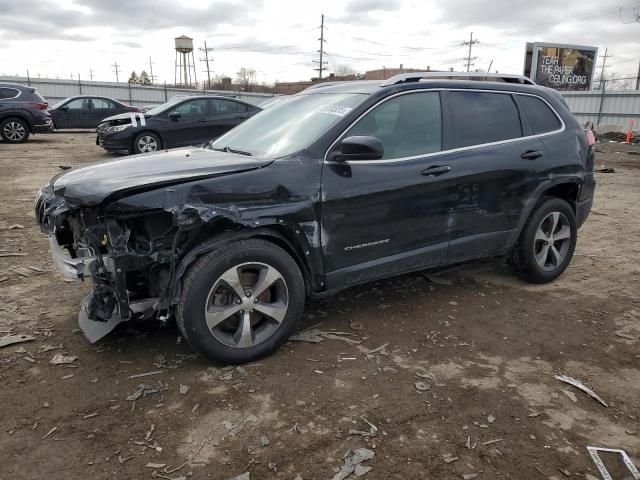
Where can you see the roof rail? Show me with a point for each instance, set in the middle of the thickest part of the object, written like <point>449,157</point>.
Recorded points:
<point>324,84</point>
<point>482,76</point>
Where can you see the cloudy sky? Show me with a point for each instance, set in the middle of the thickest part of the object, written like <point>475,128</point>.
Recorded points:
<point>279,38</point>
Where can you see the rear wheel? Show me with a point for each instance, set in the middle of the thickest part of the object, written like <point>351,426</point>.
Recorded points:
<point>241,301</point>
<point>146,142</point>
<point>547,242</point>
<point>14,130</point>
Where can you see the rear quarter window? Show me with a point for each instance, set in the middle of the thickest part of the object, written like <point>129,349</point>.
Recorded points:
<point>6,92</point>
<point>476,118</point>
<point>541,117</point>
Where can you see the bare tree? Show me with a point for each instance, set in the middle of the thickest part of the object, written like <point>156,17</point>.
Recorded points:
<point>343,70</point>
<point>618,81</point>
<point>246,78</point>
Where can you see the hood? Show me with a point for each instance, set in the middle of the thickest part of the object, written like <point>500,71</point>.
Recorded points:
<point>124,117</point>
<point>117,178</point>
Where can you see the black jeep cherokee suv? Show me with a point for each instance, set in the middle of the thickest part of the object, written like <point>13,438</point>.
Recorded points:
<point>338,185</point>
<point>22,111</point>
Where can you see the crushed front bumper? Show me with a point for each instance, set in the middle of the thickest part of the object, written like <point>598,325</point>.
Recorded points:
<point>71,268</point>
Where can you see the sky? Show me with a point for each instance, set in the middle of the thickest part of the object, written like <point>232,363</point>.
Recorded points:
<point>279,38</point>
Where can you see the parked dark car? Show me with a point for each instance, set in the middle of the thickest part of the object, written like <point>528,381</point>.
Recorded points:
<point>23,111</point>
<point>180,122</point>
<point>333,187</point>
<point>86,111</point>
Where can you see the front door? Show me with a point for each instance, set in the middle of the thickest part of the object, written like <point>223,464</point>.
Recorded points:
<point>189,123</point>
<point>381,217</point>
<point>73,114</point>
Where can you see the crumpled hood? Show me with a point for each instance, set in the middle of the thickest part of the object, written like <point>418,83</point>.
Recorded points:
<point>92,184</point>
<point>123,117</point>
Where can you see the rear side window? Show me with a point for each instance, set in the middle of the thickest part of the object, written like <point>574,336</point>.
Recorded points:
<point>227,106</point>
<point>8,92</point>
<point>542,118</point>
<point>408,125</point>
<point>476,118</point>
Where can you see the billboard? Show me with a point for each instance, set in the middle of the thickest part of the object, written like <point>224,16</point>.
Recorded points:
<point>561,67</point>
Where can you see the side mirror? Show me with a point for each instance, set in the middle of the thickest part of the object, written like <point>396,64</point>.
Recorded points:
<point>175,115</point>
<point>360,148</point>
<point>64,109</point>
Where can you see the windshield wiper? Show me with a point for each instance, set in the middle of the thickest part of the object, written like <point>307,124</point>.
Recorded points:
<point>232,150</point>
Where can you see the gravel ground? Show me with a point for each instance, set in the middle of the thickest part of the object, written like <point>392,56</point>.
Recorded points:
<point>440,376</point>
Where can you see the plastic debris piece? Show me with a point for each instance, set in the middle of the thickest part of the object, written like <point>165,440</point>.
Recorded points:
<point>579,385</point>
<point>13,339</point>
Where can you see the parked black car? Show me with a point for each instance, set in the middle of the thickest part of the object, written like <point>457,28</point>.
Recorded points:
<point>180,122</point>
<point>86,111</point>
<point>23,111</point>
<point>333,187</point>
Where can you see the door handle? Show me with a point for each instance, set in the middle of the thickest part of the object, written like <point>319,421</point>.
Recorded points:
<point>531,154</point>
<point>202,120</point>
<point>436,170</point>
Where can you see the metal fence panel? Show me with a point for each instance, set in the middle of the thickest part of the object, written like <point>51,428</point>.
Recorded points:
<point>55,90</point>
<point>617,108</point>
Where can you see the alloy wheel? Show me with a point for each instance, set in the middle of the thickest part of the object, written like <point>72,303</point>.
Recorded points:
<point>147,143</point>
<point>552,241</point>
<point>14,131</point>
<point>246,305</point>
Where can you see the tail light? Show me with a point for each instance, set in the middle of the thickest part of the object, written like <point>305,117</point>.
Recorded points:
<point>40,106</point>
<point>591,139</point>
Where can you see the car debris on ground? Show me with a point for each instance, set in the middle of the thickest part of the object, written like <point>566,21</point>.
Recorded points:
<point>579,385</point>
<point>352,460</point>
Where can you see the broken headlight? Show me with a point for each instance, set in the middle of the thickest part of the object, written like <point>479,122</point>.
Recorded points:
<point>118,128</point>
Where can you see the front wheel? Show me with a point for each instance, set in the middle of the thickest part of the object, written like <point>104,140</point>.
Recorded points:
<point>547,242</point>
<point>146,142</point>
<point>241,302</point>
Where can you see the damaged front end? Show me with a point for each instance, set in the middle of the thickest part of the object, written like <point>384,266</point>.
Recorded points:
<point>128,259</point>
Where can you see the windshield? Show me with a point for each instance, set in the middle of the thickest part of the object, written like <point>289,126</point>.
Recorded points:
<point>289,125</point>
<point>165,106</point>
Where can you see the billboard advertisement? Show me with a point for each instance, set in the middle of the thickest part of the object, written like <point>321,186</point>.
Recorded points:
<point>561,67</point>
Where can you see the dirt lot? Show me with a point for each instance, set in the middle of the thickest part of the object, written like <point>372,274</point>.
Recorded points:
<point>484,344</point>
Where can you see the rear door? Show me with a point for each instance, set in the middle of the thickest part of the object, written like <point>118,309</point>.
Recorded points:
<point>224,115</point>
<point>101,109</point>
<point>190,127</point>
<point>381,217</point>
<point>496,164</point>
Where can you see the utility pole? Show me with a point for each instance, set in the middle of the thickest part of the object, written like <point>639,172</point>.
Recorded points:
<point>206,51</point>
<point>604,61</point>
<point>116,70</point>
<point>321,63</point>
<point>469,58</point>
<point>638,78</point>
<point>91,74</point>
<point>151,71</point>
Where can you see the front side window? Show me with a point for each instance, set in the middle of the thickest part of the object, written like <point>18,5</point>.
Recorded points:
<point>78,104</point>
<point>408,125</point>
<point>542,118</point>
<point>193,107</point>
<point>290,125</point>
<point>476,118</point>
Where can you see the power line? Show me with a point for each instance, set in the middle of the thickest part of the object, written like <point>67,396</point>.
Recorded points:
<point>471,42</point>
<point>321,63</point>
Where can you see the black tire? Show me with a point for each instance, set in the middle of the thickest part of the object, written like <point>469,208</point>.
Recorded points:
<point>151,137</point>
<point>530,252</point>
<point>14,130</point>
<point>217,343</point>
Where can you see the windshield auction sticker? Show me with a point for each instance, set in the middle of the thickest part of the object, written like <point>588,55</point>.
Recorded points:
<point>334,109</point>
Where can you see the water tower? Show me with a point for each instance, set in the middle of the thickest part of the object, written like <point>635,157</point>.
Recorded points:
<point>185,62</point>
